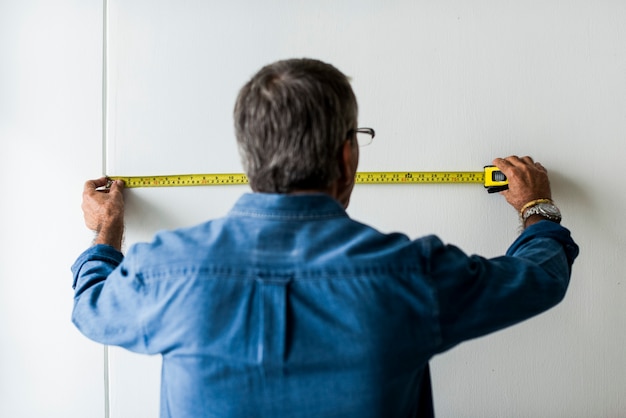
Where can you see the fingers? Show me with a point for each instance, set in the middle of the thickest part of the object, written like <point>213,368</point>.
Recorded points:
<point>116,186</point>
<point>92,185</point>
<point>103,184</point>
<point>513,160</point>
<point>514,165</point>
<point>541,167</point>
<point>504,164</point>
<point>528,180</point>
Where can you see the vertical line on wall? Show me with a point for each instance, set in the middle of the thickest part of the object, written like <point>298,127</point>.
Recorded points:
<point>107,399</point>
<point>105,23</point>
<point>105,12</point>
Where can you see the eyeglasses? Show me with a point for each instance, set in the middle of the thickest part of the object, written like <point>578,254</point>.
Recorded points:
<point>364,136</point>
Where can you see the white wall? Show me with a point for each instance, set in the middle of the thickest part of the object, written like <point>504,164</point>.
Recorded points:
<point>447,85</point>
<point>50,136</point>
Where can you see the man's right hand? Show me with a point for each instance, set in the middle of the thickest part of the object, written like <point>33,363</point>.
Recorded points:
<point>528,180</point>
<point>104,211</point>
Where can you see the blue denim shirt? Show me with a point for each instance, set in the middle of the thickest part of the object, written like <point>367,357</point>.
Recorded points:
<point>288,308</point>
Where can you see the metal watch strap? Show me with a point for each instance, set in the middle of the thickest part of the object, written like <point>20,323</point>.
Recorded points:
<point>538,208</point>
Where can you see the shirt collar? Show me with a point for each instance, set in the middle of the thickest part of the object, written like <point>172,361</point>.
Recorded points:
<point>270,205</point>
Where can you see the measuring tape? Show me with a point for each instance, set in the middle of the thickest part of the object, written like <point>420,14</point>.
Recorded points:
<point>491,178</point>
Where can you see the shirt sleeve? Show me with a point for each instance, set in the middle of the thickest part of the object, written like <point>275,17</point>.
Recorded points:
<point>111,313</point>
<point>477,296</point>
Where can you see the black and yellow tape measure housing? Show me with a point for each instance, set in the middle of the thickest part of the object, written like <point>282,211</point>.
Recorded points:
<point>495,180</point>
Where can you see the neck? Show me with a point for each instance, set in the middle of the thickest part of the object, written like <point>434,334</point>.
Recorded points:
<point>335,191</point>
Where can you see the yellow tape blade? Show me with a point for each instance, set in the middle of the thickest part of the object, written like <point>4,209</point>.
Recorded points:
<point>183,180</point>
<point>371,177</point>
<point>412,177</point>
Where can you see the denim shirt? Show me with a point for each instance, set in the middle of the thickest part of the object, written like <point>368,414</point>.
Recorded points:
<point>287,307</point>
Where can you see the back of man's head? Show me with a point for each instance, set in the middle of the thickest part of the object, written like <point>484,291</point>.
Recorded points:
<point>291,120</point>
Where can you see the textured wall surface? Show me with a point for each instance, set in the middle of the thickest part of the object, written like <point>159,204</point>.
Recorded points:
<point>50,138</point>
<point>448,86</point>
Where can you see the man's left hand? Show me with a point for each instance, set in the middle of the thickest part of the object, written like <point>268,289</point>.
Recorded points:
<point>103,208</point>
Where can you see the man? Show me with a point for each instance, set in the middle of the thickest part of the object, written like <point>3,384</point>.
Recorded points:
<point>286,307</point>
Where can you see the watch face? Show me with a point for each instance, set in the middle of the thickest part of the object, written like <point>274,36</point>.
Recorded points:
<point>549,209</point>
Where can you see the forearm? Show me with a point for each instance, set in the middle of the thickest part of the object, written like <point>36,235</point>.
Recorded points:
<point>545,229</point>
<point>112,235</point>
<point>107,301</point>
<point>94,266</point>
<point>478,296</point>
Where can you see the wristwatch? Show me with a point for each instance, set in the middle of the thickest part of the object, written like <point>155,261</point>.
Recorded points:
<point>547,210</point>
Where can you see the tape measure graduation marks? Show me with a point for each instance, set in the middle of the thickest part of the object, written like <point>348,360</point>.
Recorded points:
<point>491,178</point>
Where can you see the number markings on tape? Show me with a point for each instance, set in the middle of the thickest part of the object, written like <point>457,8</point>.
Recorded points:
<point>409,177</point>
<point>373,177</point>
<point>183,180</point>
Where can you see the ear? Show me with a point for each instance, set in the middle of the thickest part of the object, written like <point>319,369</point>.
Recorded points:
<point>348,161</point>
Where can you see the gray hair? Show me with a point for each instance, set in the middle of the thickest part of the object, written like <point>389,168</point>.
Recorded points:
<point>291,120</point>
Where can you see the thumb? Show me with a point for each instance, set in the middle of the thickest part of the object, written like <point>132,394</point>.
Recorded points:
<point>117,186</point>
